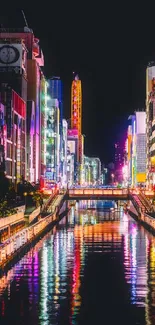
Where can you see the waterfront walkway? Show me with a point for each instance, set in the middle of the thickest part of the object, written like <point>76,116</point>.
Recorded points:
<point>12,244</point>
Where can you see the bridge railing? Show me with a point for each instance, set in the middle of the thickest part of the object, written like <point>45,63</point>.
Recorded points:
<point>106,192</point>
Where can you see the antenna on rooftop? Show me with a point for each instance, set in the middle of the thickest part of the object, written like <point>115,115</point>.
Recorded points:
<point>24,18</point>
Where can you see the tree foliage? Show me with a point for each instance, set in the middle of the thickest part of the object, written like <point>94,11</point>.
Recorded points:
<point>6,211</point>
<point>38,199</point>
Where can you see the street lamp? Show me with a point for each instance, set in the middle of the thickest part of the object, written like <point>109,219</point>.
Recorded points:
<point>25,194</point>
<point>112,177</point>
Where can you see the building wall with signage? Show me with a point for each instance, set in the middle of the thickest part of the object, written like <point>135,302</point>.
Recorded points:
<point>2,137</point>
<point>64,153</point>
<point>14,135</point>
<point>136,157</point>
<point>150,125</point>
<point>52,141</point>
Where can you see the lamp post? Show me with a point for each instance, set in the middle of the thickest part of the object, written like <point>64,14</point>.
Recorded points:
<point>25,194</point>
<point>112,178</point>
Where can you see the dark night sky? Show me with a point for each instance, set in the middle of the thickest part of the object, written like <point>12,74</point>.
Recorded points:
<point>109,46</point>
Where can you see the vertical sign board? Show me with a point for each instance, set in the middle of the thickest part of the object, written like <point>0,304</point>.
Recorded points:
<point>18,158</point>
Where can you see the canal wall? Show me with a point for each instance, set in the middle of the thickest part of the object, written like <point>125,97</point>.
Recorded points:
<point>143,218</point>
<point>12,247</point>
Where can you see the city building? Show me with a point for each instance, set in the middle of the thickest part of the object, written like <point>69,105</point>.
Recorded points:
<point>43,107</point>
<point>81,175</point>
<point>63,157</point>
<point>119,155</point>
<point>104,175</point>
<point>119,162</point>
<point>72,147</point>
<point>2,137</point>
<point>55,91</point>
<point>76,124</point>
<point>150,124</point>
<point>136,147</point>
<point>70,168</point>
<point>92,171</point>
<point>30,135</point>
<point>13,133</point>
<point>20,68</point>
<point>52,174</point>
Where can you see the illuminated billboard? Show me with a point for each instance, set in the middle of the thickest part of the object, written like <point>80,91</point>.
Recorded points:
<point>71,146</point>
<point>76,104</point>
<point>140,122</point>
<point>12,56</point>
<point>72,133</point>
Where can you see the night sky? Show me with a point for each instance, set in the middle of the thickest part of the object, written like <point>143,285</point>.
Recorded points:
<point>109,46</point>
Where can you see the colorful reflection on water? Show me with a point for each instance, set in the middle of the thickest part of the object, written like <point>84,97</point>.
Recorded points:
<point>95,264</point>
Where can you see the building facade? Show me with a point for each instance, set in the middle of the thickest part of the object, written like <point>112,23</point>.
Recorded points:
<point>2,137</point>
<point>63,157</point>
<point>14,134</point>
<point>92,171</point>
<point>150,124</point>
<point>72,148</point>
<point>52,174</point>
<point>21,70</point>
<point>43,107</point>
<point>137,149</point>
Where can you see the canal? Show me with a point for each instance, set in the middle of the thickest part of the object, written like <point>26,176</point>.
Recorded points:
<point>96,267</point>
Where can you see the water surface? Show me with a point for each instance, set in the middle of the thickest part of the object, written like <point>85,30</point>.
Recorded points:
<point>95,267</point>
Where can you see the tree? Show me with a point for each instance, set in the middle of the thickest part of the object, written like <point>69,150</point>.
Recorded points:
<point>37,198</point>
<point>5,211</point>
<point>23,187</point>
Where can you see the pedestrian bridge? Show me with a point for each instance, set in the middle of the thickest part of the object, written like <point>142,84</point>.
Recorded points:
<point>104,194</point>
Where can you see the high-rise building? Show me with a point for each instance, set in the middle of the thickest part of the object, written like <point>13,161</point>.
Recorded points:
<point>76,104</point>
<point>43,107</point>
<point>76,112</point>
<point>22,72</point>
<point>137,149</point>
<point>72,147</point>
<point>119,155</point>
<point>52,142</point>
<point>76,126</point>
<point>30,150</point>
<point>92,170</point>
<point>55,90</point>
<point>119,162</point>
<point>150,124</point>
<point>63,157</point>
